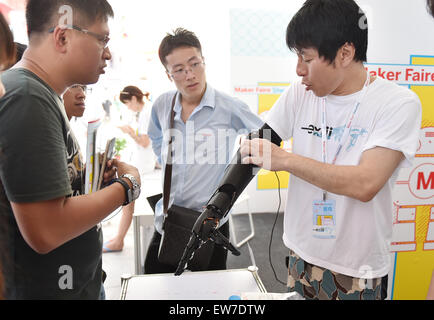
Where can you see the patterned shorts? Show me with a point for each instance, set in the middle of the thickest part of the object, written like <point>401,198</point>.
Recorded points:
<point>316,283</point>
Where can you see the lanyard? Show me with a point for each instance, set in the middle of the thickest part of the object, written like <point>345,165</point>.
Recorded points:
<point>347,128</point>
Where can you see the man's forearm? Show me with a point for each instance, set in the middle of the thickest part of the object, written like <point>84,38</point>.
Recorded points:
<point>49,224</point>
<point>362,181</point>
<point>84,212</point>
<point>350,181</point>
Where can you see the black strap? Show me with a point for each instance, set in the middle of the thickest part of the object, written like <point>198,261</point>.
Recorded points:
<point>168,169</point>
<point>127,189</point>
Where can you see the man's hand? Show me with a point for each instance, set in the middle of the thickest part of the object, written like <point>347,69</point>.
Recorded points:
<point>121,168</point>
<point>264,154</point>
<point>110,172</point>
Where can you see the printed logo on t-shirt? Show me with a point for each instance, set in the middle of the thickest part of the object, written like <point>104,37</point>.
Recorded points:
<point>317,131</point>
<point>336,134</point>
<point>75,165</point>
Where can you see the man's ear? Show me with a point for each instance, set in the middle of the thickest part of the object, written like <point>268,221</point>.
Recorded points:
<point>346,54</point>
<point>61,39</point>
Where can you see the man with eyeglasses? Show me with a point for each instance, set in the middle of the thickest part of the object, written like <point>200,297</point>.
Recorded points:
<point>206,125</point>
<point>55,241</point>
<point>338,215</point>
<point>102,38</point>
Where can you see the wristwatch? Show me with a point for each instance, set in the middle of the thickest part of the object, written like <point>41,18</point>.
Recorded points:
<point>135,191</point>
<point>131,193</point>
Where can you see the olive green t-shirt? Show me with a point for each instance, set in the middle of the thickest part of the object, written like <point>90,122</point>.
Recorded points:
<point>40,160</point>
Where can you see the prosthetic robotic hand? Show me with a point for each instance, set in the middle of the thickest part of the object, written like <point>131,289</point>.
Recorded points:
<point>235,180</point>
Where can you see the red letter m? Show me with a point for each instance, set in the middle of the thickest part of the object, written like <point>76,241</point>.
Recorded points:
<point>425,184</point>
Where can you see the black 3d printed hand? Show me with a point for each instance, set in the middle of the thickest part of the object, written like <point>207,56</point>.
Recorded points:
<point>237,177</point>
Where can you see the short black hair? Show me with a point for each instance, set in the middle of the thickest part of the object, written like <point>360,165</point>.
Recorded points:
<point>42,15</point>
<point>430,4</point>
<point>326,25</point>
<point>180,38</point>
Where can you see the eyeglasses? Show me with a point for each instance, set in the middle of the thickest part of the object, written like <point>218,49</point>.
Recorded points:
<point>84,88</point>
<point>104,39</point>
<point>81,86</point>
<point>181,72</point>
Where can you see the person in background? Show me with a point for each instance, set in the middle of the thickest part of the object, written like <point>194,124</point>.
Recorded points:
<point>74,100</point>
<point>143,156</point>
<point>337,222</point>
<point>5,9</point>
<point>55,239</point>
<point>207,124</point>
<point>7,57</point>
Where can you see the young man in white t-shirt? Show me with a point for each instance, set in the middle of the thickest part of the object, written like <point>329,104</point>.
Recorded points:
<point>338,217</point>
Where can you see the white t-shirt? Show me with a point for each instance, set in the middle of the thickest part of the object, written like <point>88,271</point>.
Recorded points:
<point>389,116</point>
<point>144,158</point>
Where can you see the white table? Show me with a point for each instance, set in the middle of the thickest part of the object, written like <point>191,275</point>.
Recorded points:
<point>206,285</point>
<point>143,217</point>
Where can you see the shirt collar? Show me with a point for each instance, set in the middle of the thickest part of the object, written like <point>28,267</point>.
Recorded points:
<point>208,100</point>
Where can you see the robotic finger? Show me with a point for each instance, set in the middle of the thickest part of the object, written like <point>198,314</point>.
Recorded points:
<point>220,239</point>
<point>193,244</point>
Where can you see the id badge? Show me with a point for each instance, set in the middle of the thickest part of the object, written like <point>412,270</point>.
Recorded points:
<point>324,219</point>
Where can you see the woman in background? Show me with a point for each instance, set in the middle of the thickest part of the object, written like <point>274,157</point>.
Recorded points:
<point>143,157</point>
<point>7,58</point>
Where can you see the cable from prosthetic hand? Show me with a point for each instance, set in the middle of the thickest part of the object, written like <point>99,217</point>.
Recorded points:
<point>237,177</point>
